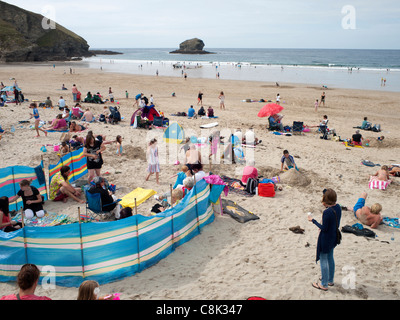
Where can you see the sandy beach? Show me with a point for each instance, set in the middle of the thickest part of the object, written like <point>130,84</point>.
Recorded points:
<point>230,260</point>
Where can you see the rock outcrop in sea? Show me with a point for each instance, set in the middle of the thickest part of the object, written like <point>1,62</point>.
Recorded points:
<point>27,36</point>
<point>191,46</point>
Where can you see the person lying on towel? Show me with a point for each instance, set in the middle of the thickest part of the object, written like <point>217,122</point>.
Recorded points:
<point>369,216</point>
<point>381,179</point>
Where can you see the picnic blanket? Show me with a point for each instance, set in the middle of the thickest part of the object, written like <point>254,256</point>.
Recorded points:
<point>50,219</point>
<point>235,186</point>
<point>374,183</point>
<point>141,195</point>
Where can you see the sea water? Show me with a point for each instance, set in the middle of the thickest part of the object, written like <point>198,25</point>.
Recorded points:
<point>335,68</point>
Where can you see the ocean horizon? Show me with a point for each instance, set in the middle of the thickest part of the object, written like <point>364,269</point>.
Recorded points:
<point>336,68</point>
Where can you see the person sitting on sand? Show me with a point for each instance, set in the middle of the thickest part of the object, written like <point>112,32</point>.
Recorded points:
<point>357,138</point>
<point>65,149</point>
<point>31,198</point>
<point>77,142</point>
<point>176,196</point>
<point>6,223</point>
<point>61,102</point>
<point>287,161</point>
<point>89,97</point>
<point>108,200</point>
<point>58,124</point>
<point>275,124</point>
<point>192,113</point>
<point>365,124</point>
<point>88,116</point>
<point>369,216</point>
<point>185,187</point>
<point>77,111</point>
<point>198,172</point>
<point>201,111</point>
<point>250,171</point>
<point>60,189</point>
<point>27,281</point>
<point>210,112</point>
<point>48,103</point>
<point>90,289</point>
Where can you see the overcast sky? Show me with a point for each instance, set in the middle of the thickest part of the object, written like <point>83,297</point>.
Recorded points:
<point>369,24</point>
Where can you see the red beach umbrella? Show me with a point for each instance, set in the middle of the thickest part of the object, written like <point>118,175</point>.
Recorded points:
<point>269,110</point>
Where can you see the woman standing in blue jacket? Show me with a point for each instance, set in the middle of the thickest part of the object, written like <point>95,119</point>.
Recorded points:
<point>327,239</point>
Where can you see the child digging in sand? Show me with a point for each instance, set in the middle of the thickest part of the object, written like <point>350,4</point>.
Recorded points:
<point>118,140</point>
<point>287,161</point>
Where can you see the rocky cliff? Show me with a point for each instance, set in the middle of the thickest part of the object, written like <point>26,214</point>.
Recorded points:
<point>191,46</point>
<point>23,38</point>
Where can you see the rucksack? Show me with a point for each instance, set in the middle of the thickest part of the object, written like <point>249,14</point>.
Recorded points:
<point>251,185</point>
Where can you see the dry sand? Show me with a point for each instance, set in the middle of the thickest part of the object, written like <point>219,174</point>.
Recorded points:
<point>229,260</point>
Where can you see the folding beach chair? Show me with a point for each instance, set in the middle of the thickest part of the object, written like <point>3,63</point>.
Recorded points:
<point>324,130</point>
<point>297,127</point>
<point>158,121</point>
<point>94,207</point>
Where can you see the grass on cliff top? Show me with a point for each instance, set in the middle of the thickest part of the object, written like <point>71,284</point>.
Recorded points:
<point>57,35</point>
<point>9,36</point>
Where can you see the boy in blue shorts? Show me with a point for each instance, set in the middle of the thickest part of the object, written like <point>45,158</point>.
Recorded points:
<point>288,161</point>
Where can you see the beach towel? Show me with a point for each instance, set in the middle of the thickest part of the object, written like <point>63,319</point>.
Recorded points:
<point>218,185</point>
<point>374,183</point>
<point>50,219</point>
<point>141,195</point>
<point>391,222</point>
<point>235,186</point>
<point>66,130</point>
<point>237,212</point>
<point>281,134</point>
<point>347,144</point>
<point>369,163</point>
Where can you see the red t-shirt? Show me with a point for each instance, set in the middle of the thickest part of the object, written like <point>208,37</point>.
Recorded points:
<point>249,172</point>
<point>27,297</point>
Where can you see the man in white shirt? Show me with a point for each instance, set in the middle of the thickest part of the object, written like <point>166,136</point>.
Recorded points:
<point>61,102</point>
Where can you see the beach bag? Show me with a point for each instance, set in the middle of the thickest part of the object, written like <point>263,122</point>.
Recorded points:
<point>251,185</point>
<point>358,230</point>
<point>266,190</point>
<point>102,118</point>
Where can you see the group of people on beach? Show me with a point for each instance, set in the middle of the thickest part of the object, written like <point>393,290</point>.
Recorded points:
<point>191,172</point>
